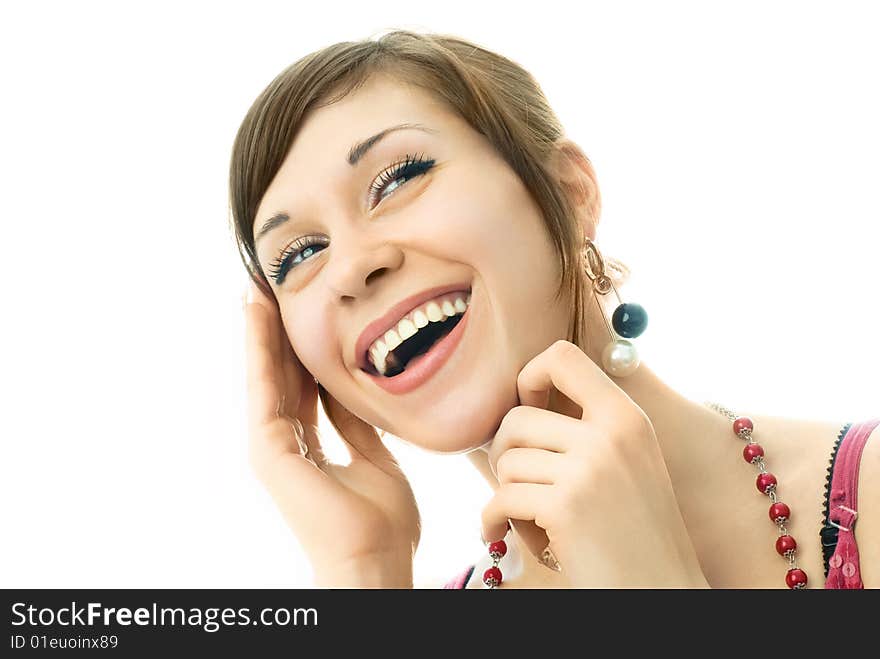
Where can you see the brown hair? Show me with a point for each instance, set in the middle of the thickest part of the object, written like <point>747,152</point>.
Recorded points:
<point>496,96</point>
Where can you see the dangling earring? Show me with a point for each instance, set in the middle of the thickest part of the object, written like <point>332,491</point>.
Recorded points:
<point>619,358</point>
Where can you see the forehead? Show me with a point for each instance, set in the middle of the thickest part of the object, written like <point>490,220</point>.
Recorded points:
<point>378,103</point>
<point>321,147</point>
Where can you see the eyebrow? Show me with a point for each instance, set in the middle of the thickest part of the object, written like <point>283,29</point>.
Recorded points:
<point>355,154</point>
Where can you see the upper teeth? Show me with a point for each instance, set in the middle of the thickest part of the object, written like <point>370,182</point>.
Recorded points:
<point>435,311</point>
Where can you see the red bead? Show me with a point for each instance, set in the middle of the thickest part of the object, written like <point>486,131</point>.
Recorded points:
<point>752,452</point>
<point>490,575</point>
<point>796,578</point>
<point>742,423</point>
<point>498,549</point>
<point>779,512</point>
<point>785,544</point>
<point>765,483</point>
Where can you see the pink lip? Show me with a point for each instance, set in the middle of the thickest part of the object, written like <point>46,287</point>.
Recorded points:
<point>382,324</point>
<point>424,366</point>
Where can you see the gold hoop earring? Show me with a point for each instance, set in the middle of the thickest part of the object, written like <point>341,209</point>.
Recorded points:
<point>620,357</point>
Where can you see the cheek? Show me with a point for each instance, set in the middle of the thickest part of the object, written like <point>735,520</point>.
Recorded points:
<point>485,221</point>
<point>500,231</point>
<point>310,337</point>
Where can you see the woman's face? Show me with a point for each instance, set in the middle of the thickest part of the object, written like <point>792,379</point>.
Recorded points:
<point>419,209</point>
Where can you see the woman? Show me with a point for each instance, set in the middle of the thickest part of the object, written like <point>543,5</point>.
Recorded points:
<point>422,238</point>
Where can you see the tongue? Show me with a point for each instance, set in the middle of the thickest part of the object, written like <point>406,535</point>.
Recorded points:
<point>393,364</point>
<point>415,360</point>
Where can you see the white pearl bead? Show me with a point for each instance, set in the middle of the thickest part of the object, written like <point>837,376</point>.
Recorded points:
<point>620,358</point>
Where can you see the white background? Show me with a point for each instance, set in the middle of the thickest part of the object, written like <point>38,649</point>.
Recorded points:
<point>736,146</point>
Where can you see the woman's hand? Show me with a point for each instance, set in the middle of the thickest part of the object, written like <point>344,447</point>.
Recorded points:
<point>595,490</point>
<point>358,523</point>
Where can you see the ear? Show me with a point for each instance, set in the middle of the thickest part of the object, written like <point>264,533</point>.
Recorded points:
<point>575,173</point>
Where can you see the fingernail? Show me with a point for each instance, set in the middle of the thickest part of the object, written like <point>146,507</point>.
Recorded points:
<point>548,559</point>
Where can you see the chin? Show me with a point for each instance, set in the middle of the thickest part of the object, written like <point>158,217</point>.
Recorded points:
<point>450,445</point>
<point>465,430</point>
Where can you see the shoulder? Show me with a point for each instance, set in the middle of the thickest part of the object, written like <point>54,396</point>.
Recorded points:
<point>867,527</point>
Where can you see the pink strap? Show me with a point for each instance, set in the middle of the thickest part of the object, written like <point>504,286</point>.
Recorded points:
<point>843,566</point>
<point>460,581</point>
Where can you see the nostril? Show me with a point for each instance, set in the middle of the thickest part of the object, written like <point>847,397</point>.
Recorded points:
<point>375,273</point>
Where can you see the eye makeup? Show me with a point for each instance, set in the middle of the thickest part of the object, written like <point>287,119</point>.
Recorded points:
<point>294,254</point>
<point>407,168</point>
<point>299,250</point>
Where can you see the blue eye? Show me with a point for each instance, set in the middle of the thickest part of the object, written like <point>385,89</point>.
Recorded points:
<point>294,254</point>
<point>307,246</point>
<point>410,167</point>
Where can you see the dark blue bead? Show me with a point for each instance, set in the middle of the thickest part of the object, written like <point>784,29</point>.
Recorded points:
<point>629,320</point>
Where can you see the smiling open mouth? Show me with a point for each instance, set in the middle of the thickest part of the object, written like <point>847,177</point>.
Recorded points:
<point>415,334</point>
<point>425,340</point>
<point>417,345</point>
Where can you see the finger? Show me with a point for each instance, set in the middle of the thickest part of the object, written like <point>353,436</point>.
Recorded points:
<point>279,445</point>
<point>533,427</point>
<point>302,389</point>
<point>565,366</point>
<point>270,392</point>
<point>529,465</point>
<point>297,396</point>
<point>520,501</point>
<point>263,376</point>
<point>261,294</point>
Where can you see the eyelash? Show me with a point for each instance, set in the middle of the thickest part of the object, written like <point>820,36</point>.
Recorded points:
<point>410,166</point>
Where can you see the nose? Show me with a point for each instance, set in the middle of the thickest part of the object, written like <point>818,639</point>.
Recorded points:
<point>359,266</point>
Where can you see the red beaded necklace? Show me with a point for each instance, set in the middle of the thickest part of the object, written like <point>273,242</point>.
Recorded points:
<point>780,513</point>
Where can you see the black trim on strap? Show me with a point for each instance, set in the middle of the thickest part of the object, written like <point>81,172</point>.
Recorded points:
<point>470,573</point>
<point>828,532</point>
